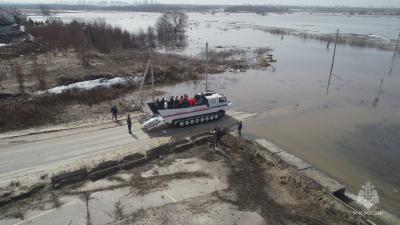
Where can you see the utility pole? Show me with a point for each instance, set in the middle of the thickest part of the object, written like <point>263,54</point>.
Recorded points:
<point>333,62</point>
<point>394,56</point>
<point>152,72</point>
<point>206,67</point>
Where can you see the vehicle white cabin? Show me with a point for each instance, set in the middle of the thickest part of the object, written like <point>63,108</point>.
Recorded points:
<point>212,107</point>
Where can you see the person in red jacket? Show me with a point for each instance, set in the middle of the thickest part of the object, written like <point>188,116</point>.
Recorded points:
<point>192,102</point>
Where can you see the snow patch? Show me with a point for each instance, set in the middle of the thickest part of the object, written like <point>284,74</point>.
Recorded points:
<point>90,84</point>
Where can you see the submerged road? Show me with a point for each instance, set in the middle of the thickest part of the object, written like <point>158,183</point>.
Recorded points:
<point>41,152</point>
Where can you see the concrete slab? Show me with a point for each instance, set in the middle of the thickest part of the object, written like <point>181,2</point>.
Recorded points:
<point>226,214</point>
<point>179,165</point>
<point>293,160</point>
<point>266,156</point>
<point>73,213</point>
<point>7,221</point>
<point>332,185</point>
<point>269,146</point>
<point>102,204</point>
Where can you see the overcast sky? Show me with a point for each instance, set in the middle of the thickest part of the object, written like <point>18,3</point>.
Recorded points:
<point>362,3</point>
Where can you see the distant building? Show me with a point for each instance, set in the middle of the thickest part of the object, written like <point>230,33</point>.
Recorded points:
<point>11,22</point>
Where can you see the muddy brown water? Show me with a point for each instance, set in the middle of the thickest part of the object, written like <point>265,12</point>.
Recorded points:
<point>348,133</point>
<point>351,133</point>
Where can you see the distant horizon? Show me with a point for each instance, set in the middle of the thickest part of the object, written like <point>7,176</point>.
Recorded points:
<point>297,3</point>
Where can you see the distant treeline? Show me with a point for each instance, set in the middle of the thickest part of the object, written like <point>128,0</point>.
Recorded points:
<point>134,8</point>
<point>353,10</point>
<point>260,9</point>
<point>200,8</point>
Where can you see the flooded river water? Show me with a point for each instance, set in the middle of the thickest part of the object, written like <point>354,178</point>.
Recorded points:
<point>352,133</point>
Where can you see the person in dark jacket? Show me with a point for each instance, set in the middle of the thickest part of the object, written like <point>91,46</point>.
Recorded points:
<point>162,102</point>
<point>219,135</point>
<point>213,141</point>
<point>129,123</point>
<point>240,125</point>
<point>114,112</point>
<point>181,102</point>
<point>175,103</point>
<point>171,103</point>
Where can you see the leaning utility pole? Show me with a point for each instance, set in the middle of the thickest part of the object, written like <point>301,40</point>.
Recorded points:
<point>149,65</point>
<point>206,70</point>
<point>333,62</point>
<point>152,72</point>
<point>394,56</point>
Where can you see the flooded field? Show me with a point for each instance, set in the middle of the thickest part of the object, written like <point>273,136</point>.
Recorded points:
<point>350,131</point>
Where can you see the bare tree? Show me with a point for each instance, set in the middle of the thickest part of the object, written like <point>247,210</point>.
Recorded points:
<point>83,52</point>
<point>45,10</point>
<point>171,28</point>
<point>16,71</point>
<point>3,73</point>
<point>39,71</point>
<point>151,37</point>
<point>79,42</point>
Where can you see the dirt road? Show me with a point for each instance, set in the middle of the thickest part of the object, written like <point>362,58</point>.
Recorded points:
<point>43,153</point>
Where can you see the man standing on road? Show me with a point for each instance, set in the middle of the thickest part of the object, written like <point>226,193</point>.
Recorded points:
<point>240,125</point>
<point>218,138</point>
<point>213,141</point>
<point>114,112</point>
<point>129,122</point>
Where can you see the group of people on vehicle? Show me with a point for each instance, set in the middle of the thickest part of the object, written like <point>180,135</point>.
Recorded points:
<point>182,102</point>
<point>197,100</point>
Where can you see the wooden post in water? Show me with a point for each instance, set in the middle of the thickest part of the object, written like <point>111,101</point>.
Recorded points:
<point>333,62</point>
<point>397,46</point>
<point>206,69</point>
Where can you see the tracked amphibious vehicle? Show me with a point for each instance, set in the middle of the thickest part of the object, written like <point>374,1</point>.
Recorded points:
<point>213,108</point>
<point>205,106</point>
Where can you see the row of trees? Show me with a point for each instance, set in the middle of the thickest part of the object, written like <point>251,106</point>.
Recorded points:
<point>38,71</point>
<point>54,35</point>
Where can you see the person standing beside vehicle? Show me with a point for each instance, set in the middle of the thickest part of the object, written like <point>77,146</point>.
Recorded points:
<point>114,112</point>
<point>240,125</point>
<point>129,123</point>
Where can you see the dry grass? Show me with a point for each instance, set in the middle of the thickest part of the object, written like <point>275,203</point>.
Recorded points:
<point>47,109</point>
<point>118,211</point>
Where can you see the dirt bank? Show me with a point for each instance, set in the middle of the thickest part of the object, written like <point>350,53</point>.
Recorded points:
<point>233,185</point>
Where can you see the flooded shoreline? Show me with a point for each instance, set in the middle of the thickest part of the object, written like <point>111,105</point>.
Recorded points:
<point>294,112</point>
<point>290,98</point>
